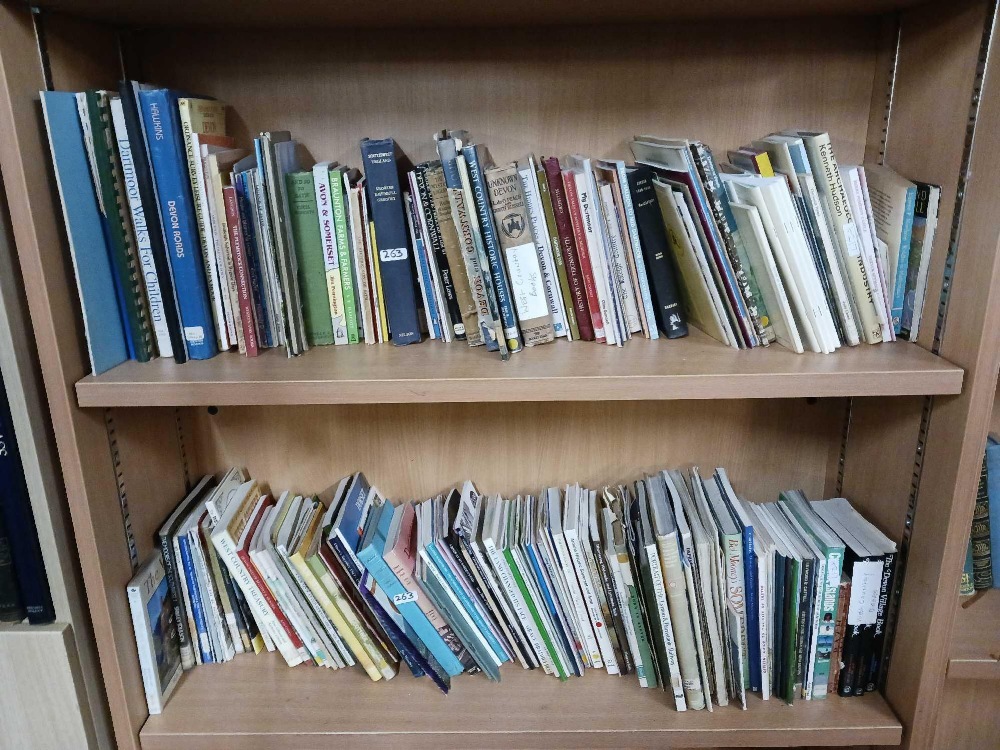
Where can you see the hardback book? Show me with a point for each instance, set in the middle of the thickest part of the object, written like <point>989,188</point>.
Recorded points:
<point>477,162</point>
<point>982,543</point>
<point>555,246</point>
<point>102,318</point>
<point>95,113</point>
<point>966,587</point>
<point>155,622</point>
<point>597,303</point>
<point>841,217</point>
<point>11,609</point>
<point>993,490</point>
<point>165,142</point>
<point>310,256</point>
<point>514,235</point>
<point>567,247</point>
<point>327,183</point>
<point>893,200</point>
<point>925,221</point>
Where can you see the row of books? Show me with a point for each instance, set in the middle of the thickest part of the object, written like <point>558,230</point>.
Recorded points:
<point>24,586</point>
<point>982,564</point>
<point>186,244</point>
<point>672,579</point>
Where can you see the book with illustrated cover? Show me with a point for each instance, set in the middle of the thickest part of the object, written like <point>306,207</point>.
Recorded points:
<point>154,620</point>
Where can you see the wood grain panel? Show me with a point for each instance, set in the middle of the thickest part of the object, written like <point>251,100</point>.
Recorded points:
<point>416,451</point>
<point>975,640</point>
<point>970,716</point>
<point>576,89</point>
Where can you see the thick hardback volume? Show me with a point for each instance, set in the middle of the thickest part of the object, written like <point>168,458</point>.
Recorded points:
<point>668,307</point>
<point>154,619</point>
<point>15,507</point>
<point>567,246</point>
<point>166,154</point>
<point>326,181</point>
<point>395,267</point>
<point>513,232</point>
<point>982,558</point>
<point>478,161</point>
<point>114,206</point>
<point>11,609</point>
<point>308,248</point>
<point>102,320</point>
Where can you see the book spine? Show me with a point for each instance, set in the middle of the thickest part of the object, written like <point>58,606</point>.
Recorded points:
<point>344,255</point>
<point>220,232</point>
<point>596,619</point>
<point>378,300</point>
<point>816,606</point>
<point>548,213</point>
<point>831,186</point>
<point>176,594</point>
<point>323,187</point>
<point>507,202</point>
<point>732,242</point>
<point>424,278</point>
<point>11,609</point>
<point>255,264</point>
<point>824,653</point>
<point>583,253</point>
<point>632,226</point>
<point>427,182</point>
<point>218,630</point>
<point>146,650</point>
<point>567,249</point>
<point>965,586</point>
<point>519,604</point>
<point>491,242</point>
<point>903,260</point>
<point>592,649</point>
<point>590,225</point>
<point>670,668</point>
<point>540,237</point>
<point>393,252</point>
<point>452,245</point>
<point>753,622</point>
<point>802,630</point>
<point>839,632</point>
<point>551,659</point>
<point>982,557</point>
<point>642,635</point>
<point>166,155</point>
<point>622,278</point>
<point>203,639</point>
<point>366,324</point>
<point>823,273</point>
<point>240,271</point>
<point>607,578</point>
<point>677,602</point>
<point>310,259</point>
<point>157,307</point>
<point>291,637</point>
<point>877,667</point>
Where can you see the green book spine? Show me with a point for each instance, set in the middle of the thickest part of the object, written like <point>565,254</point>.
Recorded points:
<point>124,253</point>
<point>791,631</point>
<point>530,601</point>
<point>344,253</point>
<point>551,228</point>
<point>982,558</point>
<point>641,635</point>
<point>309,255</point>
<point>966,587</point>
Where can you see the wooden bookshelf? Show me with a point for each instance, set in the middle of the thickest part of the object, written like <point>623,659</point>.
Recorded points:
<point>259,704</point>
<point>892,80</point>
<point>693,368</point>
<point>975,647</point>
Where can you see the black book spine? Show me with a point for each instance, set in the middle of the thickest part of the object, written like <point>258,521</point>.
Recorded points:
<point>625,662</point>
<point>877,658</point>
<point>670,313</point>
<point>982,554</point>
<point>11,609</point>
<point>822,270</point>
<point>15,507</point>
<point>437,247</point>
<point>177,596</point>
<point>151,208</point>
<point>802,639</point>
<point>779,624</point>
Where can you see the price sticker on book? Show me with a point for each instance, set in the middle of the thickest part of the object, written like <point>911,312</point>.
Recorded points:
<point>404,598</point>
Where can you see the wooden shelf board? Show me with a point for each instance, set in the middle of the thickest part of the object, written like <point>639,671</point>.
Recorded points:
<point>692,368</point>
<point>975,641</point>
<point>236,13</point>
<point>257,702</point>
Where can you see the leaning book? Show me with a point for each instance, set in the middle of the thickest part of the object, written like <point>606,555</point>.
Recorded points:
<point>155,623</point>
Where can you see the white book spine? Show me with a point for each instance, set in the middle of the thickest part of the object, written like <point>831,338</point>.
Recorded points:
<point>666,626</point>
<point>519,605</point>
<point>419,244</point>
<point>331,259</point>
<point>543,247</point>
<point>227,270</point>
<point>814,637</point>
<point>640,264</point>
<point>582,616</point>
<point>622,592</point>
<point>620,276</point>
<point>315,610</point>
<point>311,649</point>
<point>218,634</point>
<point>925,261</point>
<point>262,613</point>
<point>153,295</point>
<point>557,583</point>
<point>357,237</point>
<point>598,262</point>
<point>196,173</point>
<point>764,576</point>
<point>869,254</point>
<point>590,600</point>
<point>146,649</point>
<point>188,608</point>
<point>432,263</point>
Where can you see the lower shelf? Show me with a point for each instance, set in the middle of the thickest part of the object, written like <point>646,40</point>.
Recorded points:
<point>975,641</point>
<point>256,702</point>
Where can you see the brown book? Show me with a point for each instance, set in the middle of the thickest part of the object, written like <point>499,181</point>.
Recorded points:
<point>840,628</point>
<point>520,254</point>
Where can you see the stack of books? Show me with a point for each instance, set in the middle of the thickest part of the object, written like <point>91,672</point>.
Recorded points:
<point>673,580</point>
<point>186,243</point>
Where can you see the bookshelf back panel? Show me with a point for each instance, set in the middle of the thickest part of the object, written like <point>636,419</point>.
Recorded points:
<point>574,89</point>
<point>414,451</point>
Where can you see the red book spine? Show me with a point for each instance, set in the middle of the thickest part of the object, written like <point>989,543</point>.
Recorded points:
<point>262,584</point>
<point>565,229</point>
<point>240,268</point>
<point>576,219</point>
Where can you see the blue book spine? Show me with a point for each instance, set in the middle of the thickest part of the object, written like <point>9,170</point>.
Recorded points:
<point>197,606</point>
<point>993,490</point>
<point>550,603</point>
<point>903,262</point>
<point>253,259</point>
<point>424,269</point>
<point>170,172</point>
<point>488,228</point>
<point>753,615</point>
<point>386,201</point>
<point>95,277</point>
<point>371,557</point>
<point>470,606</point>
<point>15,508</point>
<point>119,290</point>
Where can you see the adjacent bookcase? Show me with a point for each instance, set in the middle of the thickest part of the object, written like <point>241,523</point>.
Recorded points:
<point>897,428</point>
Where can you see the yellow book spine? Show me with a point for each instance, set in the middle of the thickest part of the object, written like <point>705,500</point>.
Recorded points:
<point>335,616</point>
<point>380,303</point>
<point>764,165</point>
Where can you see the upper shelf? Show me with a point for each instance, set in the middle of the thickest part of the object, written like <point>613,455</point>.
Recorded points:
<point>975,640</point>
<point>693,368</point>
<point>302,13</point>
